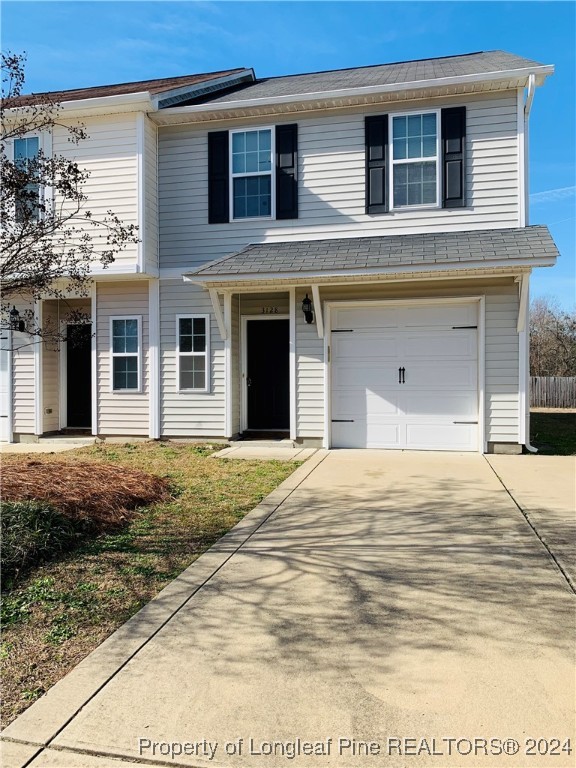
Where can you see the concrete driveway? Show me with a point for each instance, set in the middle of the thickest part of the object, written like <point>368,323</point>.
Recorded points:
<point>377,605</point>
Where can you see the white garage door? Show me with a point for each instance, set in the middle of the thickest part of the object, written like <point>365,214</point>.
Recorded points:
<point>405,376</point>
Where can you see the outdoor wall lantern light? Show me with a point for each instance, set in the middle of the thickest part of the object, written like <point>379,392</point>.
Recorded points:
<point>15,323</point>
<point>307,309</point>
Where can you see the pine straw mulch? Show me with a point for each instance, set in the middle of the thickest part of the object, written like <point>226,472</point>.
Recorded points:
<point>102,494</point>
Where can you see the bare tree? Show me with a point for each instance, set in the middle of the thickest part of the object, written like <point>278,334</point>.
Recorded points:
<point>552,339</point>
<point>49,238</point>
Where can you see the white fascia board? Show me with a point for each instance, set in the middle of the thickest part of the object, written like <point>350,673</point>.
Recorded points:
<point>367,272</point>
<point>511,74</point>
<point>130,102</point>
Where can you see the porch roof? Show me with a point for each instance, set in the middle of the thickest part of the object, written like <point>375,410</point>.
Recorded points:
<point>491,249</point>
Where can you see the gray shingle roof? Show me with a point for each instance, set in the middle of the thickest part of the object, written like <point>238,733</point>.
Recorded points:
<point>388,251</point>
<point>382,74</point>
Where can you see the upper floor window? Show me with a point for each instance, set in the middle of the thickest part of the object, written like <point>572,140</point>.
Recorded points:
<point>252,172</point>
<point>125,349</point>
<point>26,151</point>
<point>415,151</point>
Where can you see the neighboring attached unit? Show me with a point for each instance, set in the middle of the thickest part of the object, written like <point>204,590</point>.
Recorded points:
<point>341,257</point>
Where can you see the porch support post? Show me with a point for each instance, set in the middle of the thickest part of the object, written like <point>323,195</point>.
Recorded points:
<point>94,355</point>
<point>318,311</point>
<point>292,311</point>
<point>227,322</point>
<point>38,409</point>
<point>218,312</point>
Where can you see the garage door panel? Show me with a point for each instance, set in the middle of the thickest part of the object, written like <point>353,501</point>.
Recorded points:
<point>439,345</point>
<point>366,317</point>
<point>368,375</point>
<point>438,437</point>
<point>440,316</point>
<point>360,434</point>
<point>358,402</point>
<point>365,347</point>
<point>439,403</point>
<point>450,376</point>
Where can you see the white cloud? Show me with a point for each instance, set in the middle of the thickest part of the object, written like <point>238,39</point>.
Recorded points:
<point>552,195</point>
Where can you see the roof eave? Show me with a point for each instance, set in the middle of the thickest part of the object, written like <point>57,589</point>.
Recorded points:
<point>514,265</point>
<point>128,102</point>
<point>522,74</point>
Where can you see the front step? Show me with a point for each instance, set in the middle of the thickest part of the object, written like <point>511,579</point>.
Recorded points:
<point>68,440</point>
<point>285,443</point>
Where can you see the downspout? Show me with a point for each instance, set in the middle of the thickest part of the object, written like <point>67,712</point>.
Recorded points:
<point>527,109</point>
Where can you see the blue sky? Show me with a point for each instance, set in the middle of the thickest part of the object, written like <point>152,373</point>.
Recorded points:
<point>74,44</point>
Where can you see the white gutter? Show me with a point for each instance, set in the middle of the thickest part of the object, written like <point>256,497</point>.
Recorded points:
<point>510,74</point>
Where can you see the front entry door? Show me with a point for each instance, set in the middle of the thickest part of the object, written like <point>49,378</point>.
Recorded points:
<point>268,374</point>
<point>79,376</point>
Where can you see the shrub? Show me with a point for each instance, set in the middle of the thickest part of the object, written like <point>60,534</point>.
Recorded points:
<point>33,531</point>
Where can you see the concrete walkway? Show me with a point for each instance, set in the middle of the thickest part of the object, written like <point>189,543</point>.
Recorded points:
<point>380,597</point>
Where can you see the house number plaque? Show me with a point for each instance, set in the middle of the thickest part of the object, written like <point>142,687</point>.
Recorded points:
<point>269,310</point>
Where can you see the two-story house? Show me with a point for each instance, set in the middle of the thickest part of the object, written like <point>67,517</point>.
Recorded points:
<point>340,257</point>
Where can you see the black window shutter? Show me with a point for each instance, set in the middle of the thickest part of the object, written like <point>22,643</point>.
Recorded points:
<point>287,171</point>
<point>218,178</point>
<point>454,157</point>
<point>376,142</point>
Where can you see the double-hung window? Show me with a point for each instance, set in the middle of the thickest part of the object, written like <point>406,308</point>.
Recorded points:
<point>193,353</point>
<point>125,333</point>
<point>252,169</point>
<point>26,151</point>
<point>415,169</point>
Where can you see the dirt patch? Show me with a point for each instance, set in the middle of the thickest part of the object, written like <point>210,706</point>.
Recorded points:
<point>103,494</point>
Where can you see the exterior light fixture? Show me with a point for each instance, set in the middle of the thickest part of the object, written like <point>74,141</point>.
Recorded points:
<point>15,323</point>
<point>307,309</point>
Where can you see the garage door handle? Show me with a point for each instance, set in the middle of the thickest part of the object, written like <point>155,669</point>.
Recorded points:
<point>464,422</point>
<point>401,375</point>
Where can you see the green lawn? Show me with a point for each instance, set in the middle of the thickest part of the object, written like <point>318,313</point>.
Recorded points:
<point>61,610</point>
<point>554,434</point>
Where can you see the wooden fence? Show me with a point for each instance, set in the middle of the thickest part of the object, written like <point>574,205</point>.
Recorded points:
<point>553,391</point>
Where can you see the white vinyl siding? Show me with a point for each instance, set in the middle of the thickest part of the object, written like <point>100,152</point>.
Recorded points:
<point>23,367</point>
<point>150,195</point>
<point>51,369</point>
<point>189,414</point>
<point>331,183</point>
<point>501,355</point>
<point>125,412</point>
<point>309,374</point>
<point>110,155</point>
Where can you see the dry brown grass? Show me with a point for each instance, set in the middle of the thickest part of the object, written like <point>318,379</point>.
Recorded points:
<point>103,494</point>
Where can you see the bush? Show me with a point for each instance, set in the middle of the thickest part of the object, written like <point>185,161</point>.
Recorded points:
<point>33,531</point>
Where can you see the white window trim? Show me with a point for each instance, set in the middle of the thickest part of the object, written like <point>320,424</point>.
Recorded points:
<point>44,146</point>
<point>206,354</point>
<point>137,355</point>
<point>272,173</point>
<point>392,163</point>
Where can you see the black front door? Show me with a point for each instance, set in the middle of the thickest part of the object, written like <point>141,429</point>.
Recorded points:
<point>79,376</point>
<point>268,374</point>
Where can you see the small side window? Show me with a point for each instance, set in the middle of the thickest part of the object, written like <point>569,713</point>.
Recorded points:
<point>193,353</point>
<point>125,350</point>
<point>26,152</point>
